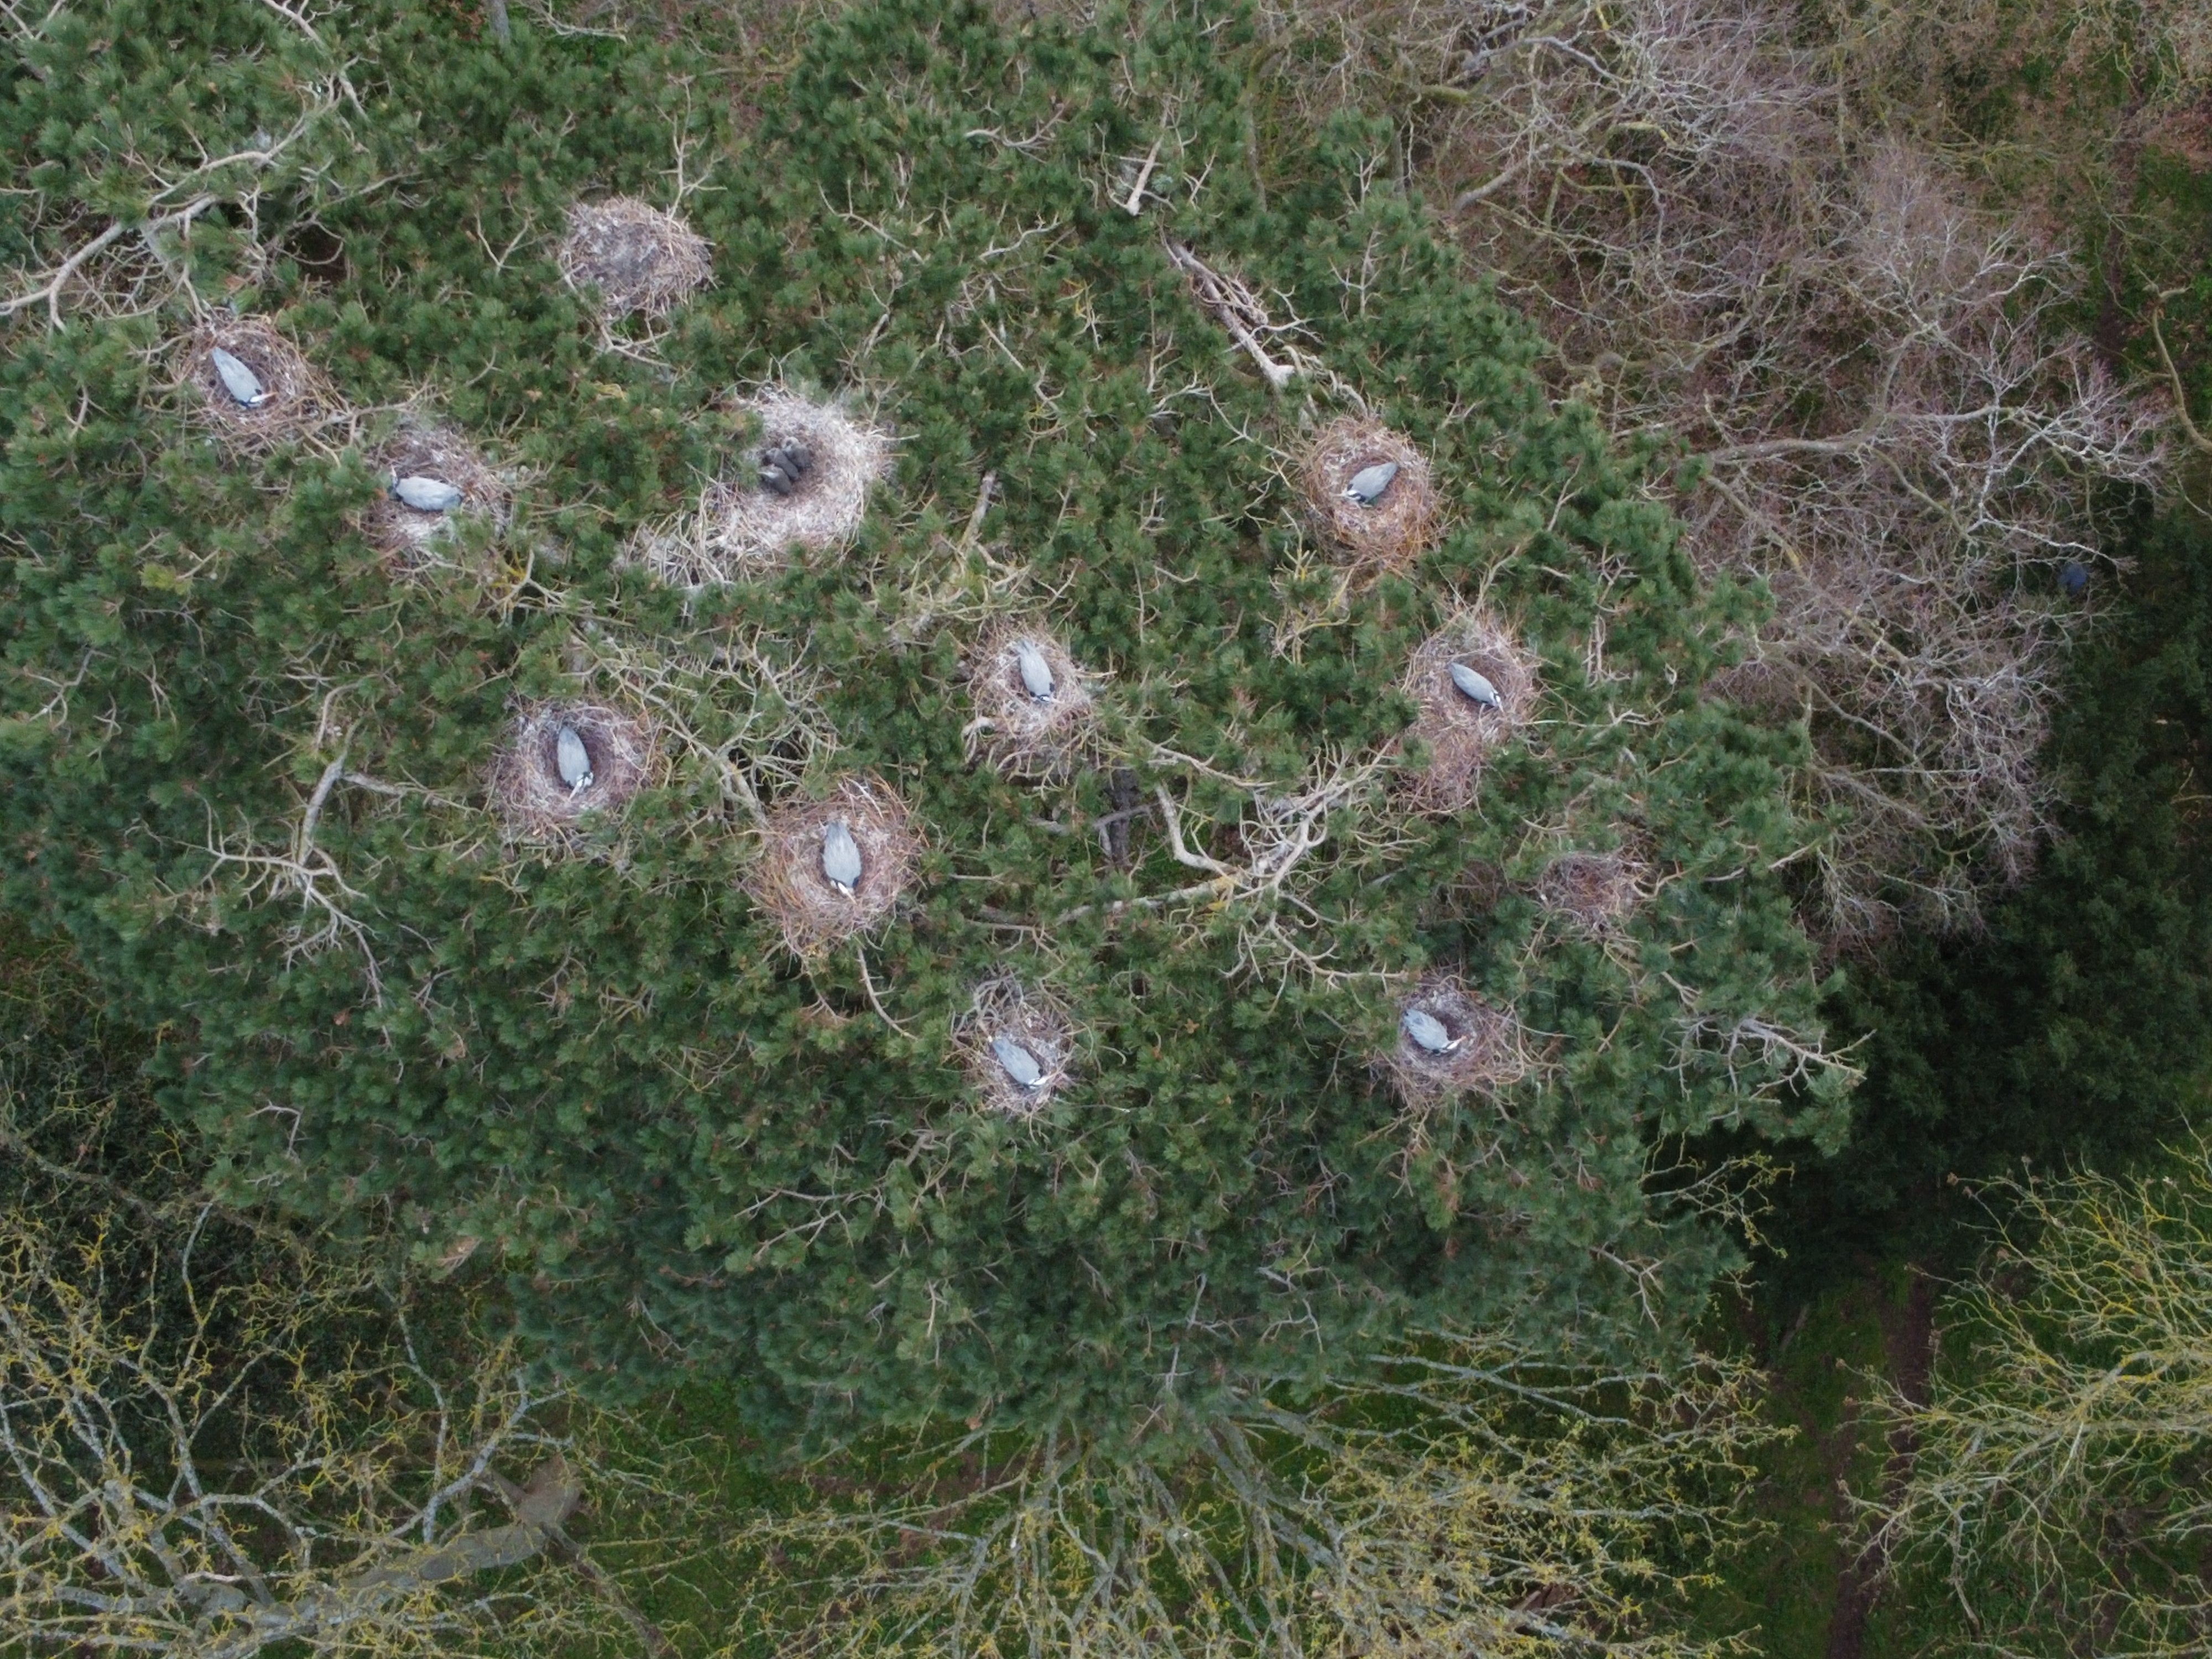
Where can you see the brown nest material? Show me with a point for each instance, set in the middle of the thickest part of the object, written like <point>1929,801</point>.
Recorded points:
<point>741,525</point>
<point>1399,524</point>
<point>1021,733</point>
<point>1594,891</point>
<point>526,787</point>
<point>638,258</point>
<point>788,881</point>
<point>1004,1008</point>
<point>1487,1056</point>
<point>1460,734</point>
<point>408,535</point>
<point>295,398</point>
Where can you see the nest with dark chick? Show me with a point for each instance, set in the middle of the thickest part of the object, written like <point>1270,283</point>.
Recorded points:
<point>791,883</point>
<point>1374,528</point>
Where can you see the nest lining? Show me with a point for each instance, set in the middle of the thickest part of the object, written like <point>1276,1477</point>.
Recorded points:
<point>296,400</point>
<point>640,259</point>
<point>1395,529</point>
<point>741,527</point>
<point>1594,891</point>
<point>525,785</point>
<point>1461,734</point>
<point>1004,1007</point>
<point>788,882</point>
<point>1490,1056</point>
<point>1020,732</point>
<point>407,535</point>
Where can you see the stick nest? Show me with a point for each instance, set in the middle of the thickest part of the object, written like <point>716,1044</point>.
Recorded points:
<point>298,398</point>
<point>742,526</point>
<point>1005,1007</point>
<point>639,259</point>
<point>1490,1058</point>
<point>526,788</point>
<point>1021,734</point>
<point>788,882</point>
<point>407,536</point>
<point>1593,891</point>
<point>1399,525</point>
<point>1462,734</point>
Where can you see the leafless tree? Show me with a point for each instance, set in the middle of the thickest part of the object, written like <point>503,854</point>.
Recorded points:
<point>1893,428</point>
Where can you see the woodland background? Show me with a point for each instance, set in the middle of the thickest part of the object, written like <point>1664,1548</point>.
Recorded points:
<point>1706,209</point>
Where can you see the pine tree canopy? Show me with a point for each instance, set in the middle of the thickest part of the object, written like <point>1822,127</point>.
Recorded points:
<point>253,755</point>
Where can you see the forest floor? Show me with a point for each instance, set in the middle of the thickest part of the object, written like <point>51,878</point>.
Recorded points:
<point>1808,1591</point>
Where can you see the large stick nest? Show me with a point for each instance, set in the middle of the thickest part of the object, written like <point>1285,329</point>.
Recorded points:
<point>1489,1056</point>
<point>410,537</point>
<point>525,785</point>
<point>1462,734</point>
<point>1022,734</point>
<point>741,527</point>
<point>788,882</point>
<point>1396,529</point>
<point>1005,1007</point>
<point>638,258</point>
<point>1593,891</point>
<point>297,398</point>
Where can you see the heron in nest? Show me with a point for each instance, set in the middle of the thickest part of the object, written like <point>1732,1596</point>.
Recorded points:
<point>573,760</point>
<point>426,494</point>
<point>242,383</point>
<point>1476,688</point>
<point>1428,1032</point>
<point>1018,1062</point>
<point>1036,672</point>
<point>1368,484</point>
<point>841,857</point>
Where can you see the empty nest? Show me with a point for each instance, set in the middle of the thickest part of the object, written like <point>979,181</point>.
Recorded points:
<point>296,398</point>
<point>638,258</point>
<point>1399,524</point>
<point>1462,734</point>
<point>1593,891</point>
<point>1005,1008</point>
<point>1489,1056</point>
<point>789,884</point>
<point>526,787</point>
<point>405,534</point>
<point>740,525</point>
<point>1023,733</point>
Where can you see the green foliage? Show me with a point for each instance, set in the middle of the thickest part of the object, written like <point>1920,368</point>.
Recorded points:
<point>597,1068</point>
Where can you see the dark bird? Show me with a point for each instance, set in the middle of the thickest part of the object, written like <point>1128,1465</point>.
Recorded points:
<point>1476,688</point>
<point>573,760</point>
<point>1017,1062</point>
<point>841,857</point>
<point>1427,1030</point>
<point>1368,484</point>
<point>2073,577</point>
<point>242,383</point>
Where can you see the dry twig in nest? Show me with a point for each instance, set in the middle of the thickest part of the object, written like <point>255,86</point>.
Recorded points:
<point>1461,733</point>
<point>1006,1010</point>
<point>1594,891</point>
<point>1024,734</point>
<point>789,883</point>
<point>294,400</point>
<point>1384,534</point>
<point>1486,1055</point>
<point>740,525</point>
<point>525,785</point>
<point>407,535</point>
<point>638,258</point>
